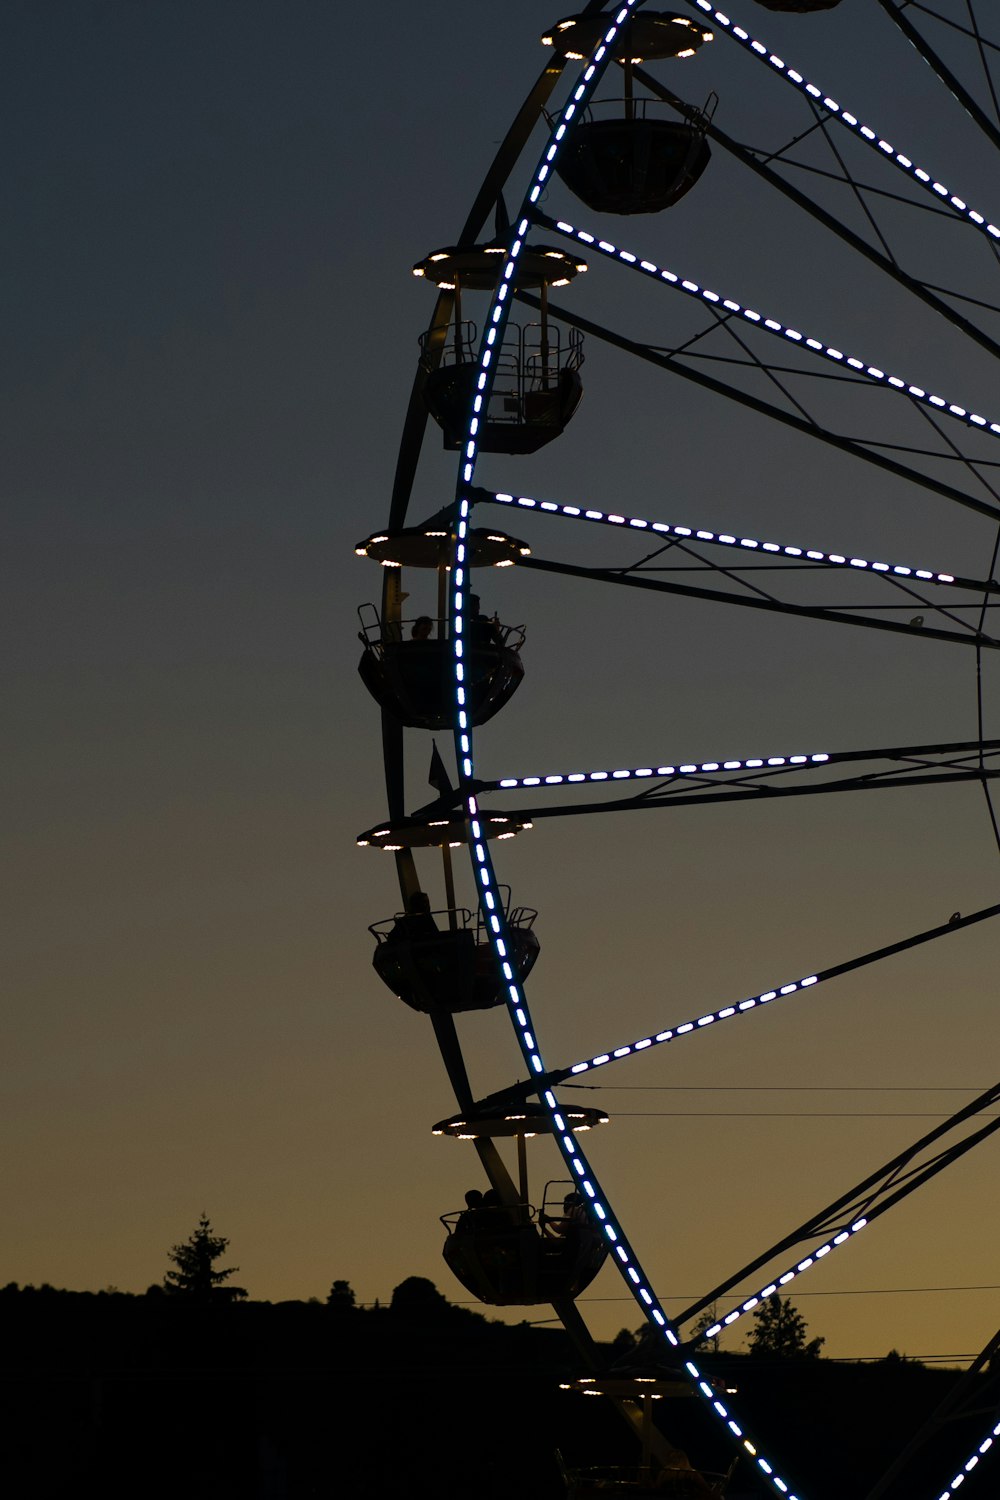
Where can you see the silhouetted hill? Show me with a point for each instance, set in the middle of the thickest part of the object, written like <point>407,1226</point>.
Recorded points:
<point>153,1396</point>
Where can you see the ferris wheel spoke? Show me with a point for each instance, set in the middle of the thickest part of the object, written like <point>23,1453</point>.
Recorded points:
<point>840,1221</point>
<point>982,43</point>
<point>874,191</point>
<point>526,817</point>
<point>756,164</point>
<point>952,755</point>
<point>845,177</point>
<point>753,361</point>
<point>733,1010</point>
<point>792,558</point>
<point>844,1235</point>
<point>831,377</point>
<point>797,555</point>
<point>992,1434</point>
<point>954,25</point>
<point>771,326</point>
<point>935,61</point>
<point>687,784</point>
<point>915,452</point>
<point>970,1389</point>
<point>970,465</point>
<point>916,627</point>
<point>872,138</point>
<point>849,445</point>
<point>954,1404</point>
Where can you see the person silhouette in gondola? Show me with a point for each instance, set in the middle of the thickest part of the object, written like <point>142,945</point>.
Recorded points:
<point>471,1213</point>
<point>482,629</point>
<point>416,922</point>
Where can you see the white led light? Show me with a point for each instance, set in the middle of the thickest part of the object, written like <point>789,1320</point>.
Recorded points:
<point>724,1013</point>
<point>827,559</point>
<point>690,768</point>
<point>898,159</point>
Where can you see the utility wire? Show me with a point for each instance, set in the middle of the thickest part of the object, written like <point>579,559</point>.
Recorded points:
<point>780,1088</point>
<point>784,1114</point>
<point>868,1291</point>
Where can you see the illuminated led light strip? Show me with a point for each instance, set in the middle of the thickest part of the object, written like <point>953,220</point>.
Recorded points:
<point>970,1464</point>
<point>489,896</point>
<point>726,1012</point>
<point>769,1291</point>
<point>777,330</point>
<point>723,539</point>
<point>509,783</point>
<point>864,132</point>
<point>686,1028</point>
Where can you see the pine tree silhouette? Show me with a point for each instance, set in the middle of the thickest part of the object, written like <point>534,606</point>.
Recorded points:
<point>195,1276</point>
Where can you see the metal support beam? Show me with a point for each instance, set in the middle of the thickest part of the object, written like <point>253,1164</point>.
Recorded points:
<point>940,67</point>
<point>765,408</point>
<point>949,1408</point>
<point>555,1076</point>
<point>803,201</point>
<point>844,1205</point>
<point>766,793</point>
<point>636,580</point>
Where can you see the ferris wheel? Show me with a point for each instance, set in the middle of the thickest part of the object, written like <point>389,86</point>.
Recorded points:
<point>626,119</point>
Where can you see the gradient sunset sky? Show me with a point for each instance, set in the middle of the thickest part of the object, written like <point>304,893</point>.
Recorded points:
<point>210,335</point>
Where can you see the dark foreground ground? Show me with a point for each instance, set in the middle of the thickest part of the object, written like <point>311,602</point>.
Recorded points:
<point>149,1397</point>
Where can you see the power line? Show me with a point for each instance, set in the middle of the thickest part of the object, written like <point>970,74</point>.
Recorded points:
<point>782,1088</point>
<point>771,1088</point>
<point>921,1359</point>
<point>868,1291</point>
<point>805,1115</point>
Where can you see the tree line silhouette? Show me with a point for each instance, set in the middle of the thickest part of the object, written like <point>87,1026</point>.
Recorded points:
<point>193,1388</point>
<point>778,1332</point>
